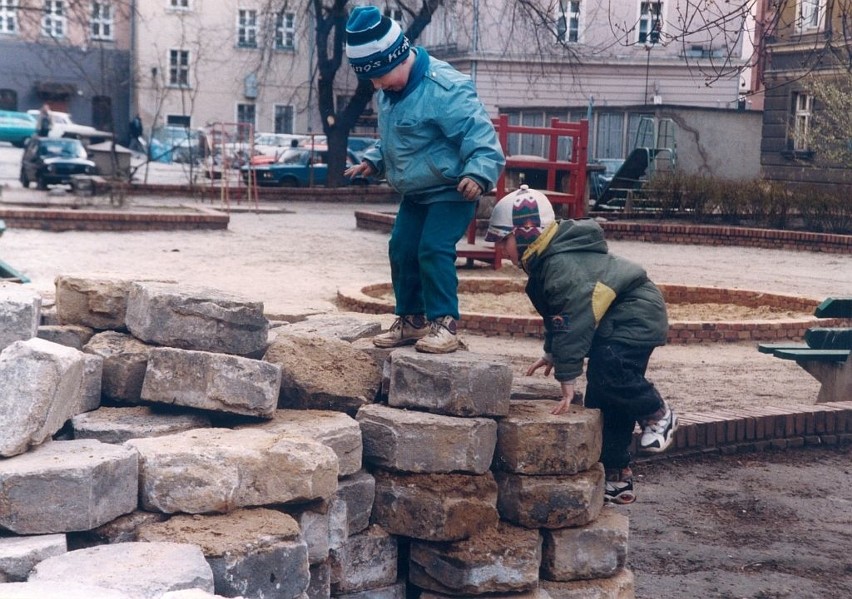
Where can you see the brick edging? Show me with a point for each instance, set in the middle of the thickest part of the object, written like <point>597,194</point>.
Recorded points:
<point>658,232</point>
<point>750,430</point>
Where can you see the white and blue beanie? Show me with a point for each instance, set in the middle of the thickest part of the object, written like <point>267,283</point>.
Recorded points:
<point>375,44</point>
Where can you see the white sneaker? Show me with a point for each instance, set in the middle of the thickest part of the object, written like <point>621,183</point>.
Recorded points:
<point>658,434</point>
<point>442,337</point>
<point>405,330</point>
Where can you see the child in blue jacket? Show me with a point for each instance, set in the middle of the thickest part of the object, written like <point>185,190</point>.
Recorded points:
<point>438,148</point>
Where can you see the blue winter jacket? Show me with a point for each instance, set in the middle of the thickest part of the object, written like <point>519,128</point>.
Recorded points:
<point>433,134</point>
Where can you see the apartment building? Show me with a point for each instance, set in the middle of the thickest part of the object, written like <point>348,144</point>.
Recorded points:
<point>810,41</point>
<point>72,55</point>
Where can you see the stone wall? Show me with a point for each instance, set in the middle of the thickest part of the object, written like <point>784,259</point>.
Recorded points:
<point>159,441</point>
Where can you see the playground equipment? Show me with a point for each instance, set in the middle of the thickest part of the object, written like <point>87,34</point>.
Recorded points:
<point>654,149</point>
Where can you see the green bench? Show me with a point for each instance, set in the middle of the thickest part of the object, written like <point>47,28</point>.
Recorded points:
<point>825,352</point>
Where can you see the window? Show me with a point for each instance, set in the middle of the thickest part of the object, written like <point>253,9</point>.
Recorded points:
<point>8,99</point>
<point>285,31</point>
<point>246,28</point>
<point>8,16</point>
<point>178,120</point>
<point>179,4</point>
<point>102,21</point>
<point>810,14</point>
<point>650,22</point>
<point>283,118</point>
<point>609,135</point>
<point>246,115</point>
<point>801,125</point>
<point>568,22</point>
<point>53,20</point>
<point>179,68</point>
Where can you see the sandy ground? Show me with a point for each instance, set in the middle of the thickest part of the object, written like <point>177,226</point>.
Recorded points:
<point>776,525</point>
<point>296,256</point>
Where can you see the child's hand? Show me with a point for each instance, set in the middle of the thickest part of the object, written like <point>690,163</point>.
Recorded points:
<point>568,397</point>
<point>469,188</point>
<point>365,169</point>
<point>547,364</point>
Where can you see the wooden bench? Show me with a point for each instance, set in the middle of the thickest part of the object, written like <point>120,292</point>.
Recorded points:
<point>825,352</point>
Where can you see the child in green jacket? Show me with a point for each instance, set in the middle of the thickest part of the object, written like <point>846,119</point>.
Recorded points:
<point>596,305</point>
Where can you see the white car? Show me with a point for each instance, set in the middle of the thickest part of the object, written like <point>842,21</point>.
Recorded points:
<point>61,125</point>
<point>274,144</point>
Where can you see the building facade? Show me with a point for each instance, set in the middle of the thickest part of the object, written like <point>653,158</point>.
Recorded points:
<point>72,55</point>
<point>810,42</point>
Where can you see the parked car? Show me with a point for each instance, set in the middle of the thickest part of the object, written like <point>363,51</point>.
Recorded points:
<point>178,144</point>
<point>61,125</point>
<point>274,144</point>
<point>299,167</point>
<point>49,161</point>
<point>16,127</point>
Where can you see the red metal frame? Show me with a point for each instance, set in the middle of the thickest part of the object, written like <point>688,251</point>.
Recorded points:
<point>568,203</point>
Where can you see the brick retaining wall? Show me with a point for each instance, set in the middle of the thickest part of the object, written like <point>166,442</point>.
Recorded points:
<point>680,233</point>
<point>65,219</point>
<point>366,299</point>
<point>747,430</point>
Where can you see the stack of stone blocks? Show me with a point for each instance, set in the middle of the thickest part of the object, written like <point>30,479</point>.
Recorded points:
<point>158,441</point>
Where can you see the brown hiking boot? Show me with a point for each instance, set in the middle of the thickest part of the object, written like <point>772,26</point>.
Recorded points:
<point>442,337</point>
<point>405,330</point>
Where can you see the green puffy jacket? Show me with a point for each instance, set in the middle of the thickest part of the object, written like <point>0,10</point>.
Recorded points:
<point>586,295</point>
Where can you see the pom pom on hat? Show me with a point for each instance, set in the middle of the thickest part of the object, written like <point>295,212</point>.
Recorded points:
<point>525,212</point>
<point>375,44</point>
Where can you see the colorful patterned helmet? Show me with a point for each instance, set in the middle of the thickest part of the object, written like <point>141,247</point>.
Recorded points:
<point>525,212</point>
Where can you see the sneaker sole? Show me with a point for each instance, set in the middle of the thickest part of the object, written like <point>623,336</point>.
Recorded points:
<point>667,444</point>
<point>401,343</point>
<point>431,349</point>
<point>623,499</point>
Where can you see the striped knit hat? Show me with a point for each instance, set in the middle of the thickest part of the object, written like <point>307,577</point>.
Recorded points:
<point>375,45</point>
<point>525,212</point>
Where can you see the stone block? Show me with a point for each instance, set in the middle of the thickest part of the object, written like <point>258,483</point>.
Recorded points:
<point>620,586</point>
<point>117,425</point>
<point>18,555</point>
<point>95,301</point>
<point>551,501</point>
<point>211,381</point>
<point>323,374</point>
<point>19,313</point>
<point>141,570</point>
<point>337,430</point>
<point>196,319</point>
<point>536,387</point>
<point>191,594</point>
<point>435,507</point>
<point>393,591</point>
<point>63,589</point>
<point>70,335</point>
<point>504,559</point>
<point>364,562</point>
<point>125,360</point>
<point>89,397</point>
<point>229,469</point>
<point>42,382</point>
<point>313,521</point>
<point>456,384</point>
<point>255,553</point>
<point>534,594</point>
<point>420,442</point>
<point>331,326</point>
<point>320,586</point>
<point>596,550</point>
<point>354,498</point>
<point>124,529</point>
<point>564,444</point>
<point>64,486</point>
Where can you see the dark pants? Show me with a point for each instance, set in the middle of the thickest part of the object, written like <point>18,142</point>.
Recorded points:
<point>422,252</point>
<point>616,385</point>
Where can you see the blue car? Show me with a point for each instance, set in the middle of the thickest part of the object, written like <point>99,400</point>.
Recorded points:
<point>298,167</point>
<point>16,127</point>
